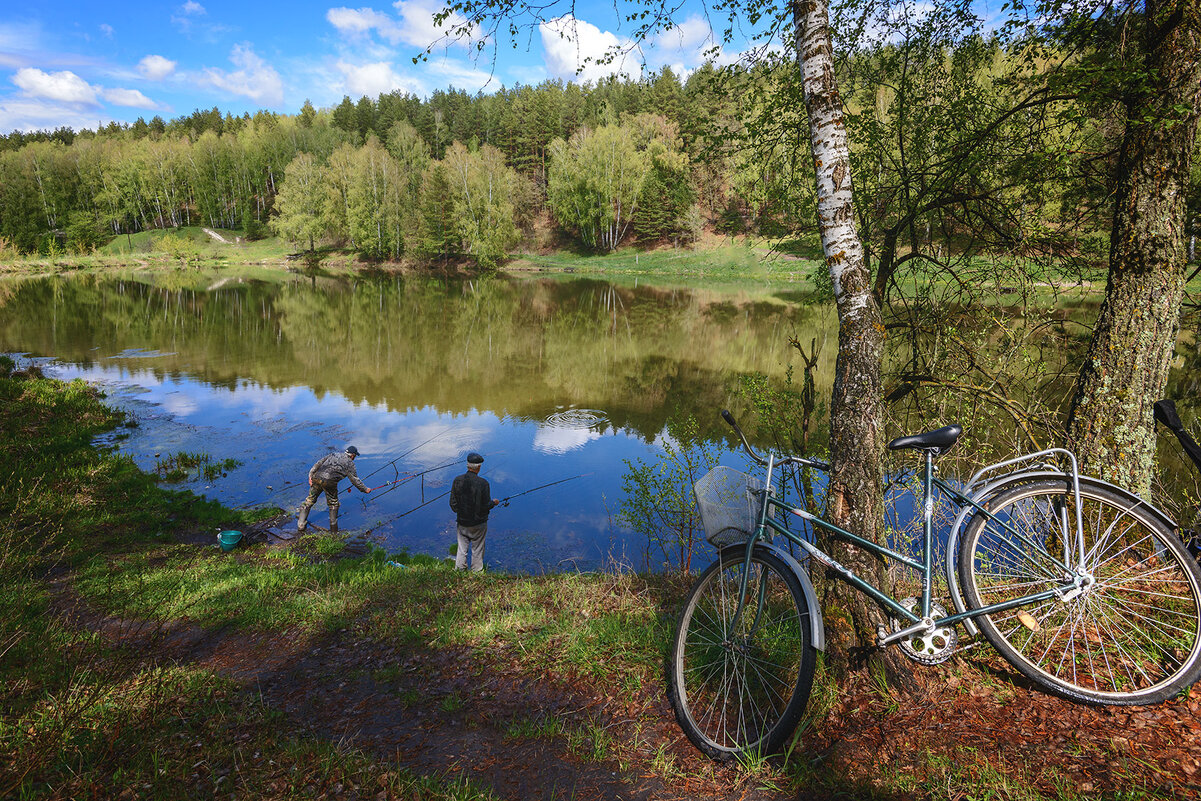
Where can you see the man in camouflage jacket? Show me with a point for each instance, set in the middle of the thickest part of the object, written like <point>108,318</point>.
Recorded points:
<point>324,477</point>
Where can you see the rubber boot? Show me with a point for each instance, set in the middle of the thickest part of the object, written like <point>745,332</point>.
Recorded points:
<point>303,521</point>
<point>333,519</point>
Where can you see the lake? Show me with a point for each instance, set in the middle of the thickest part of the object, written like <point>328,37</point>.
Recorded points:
<point>548,378</point>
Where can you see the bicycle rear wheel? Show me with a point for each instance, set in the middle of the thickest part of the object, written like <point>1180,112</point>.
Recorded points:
<point>1131,636</point>
<point>740,687</point>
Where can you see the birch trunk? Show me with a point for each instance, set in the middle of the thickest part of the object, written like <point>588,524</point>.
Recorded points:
<point>1110,423</point>
<point>855,496</point>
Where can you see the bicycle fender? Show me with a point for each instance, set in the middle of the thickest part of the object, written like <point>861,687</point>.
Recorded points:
<point>1007,482</point>
<point>816,626</point>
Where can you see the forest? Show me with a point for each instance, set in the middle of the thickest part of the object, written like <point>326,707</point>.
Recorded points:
<point>959,146</point>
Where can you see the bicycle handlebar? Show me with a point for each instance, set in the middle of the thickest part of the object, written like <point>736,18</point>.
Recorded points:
<point>729,418</point>
<point>1165,413</point>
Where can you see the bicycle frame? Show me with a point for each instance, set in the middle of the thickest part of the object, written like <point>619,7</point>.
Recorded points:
<point>1073,577</point>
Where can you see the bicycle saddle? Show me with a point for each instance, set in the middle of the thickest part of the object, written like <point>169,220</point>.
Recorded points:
<point>939,440</point>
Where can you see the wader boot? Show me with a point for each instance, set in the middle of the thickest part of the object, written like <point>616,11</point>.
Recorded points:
<point>331,498</point>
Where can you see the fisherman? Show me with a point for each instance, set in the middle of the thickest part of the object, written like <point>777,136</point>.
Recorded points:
<point>324,477</point>
<point>471,501</point>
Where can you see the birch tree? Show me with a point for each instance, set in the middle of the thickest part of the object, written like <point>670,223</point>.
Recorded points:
<point>855,499</point>
<point>300,203</point>
<point>481,191</point>
<point>594,182</point>
<point>855,496</point>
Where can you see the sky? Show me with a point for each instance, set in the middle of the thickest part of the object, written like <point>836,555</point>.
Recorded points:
<point>85,64</point>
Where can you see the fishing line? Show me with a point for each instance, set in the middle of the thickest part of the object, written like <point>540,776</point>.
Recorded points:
<point>505,501</point>
<point>406,453</point>
<point>410,511</point>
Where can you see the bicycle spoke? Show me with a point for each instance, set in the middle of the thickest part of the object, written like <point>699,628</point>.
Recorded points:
<point>735,685</point>
<point>1130,629</point>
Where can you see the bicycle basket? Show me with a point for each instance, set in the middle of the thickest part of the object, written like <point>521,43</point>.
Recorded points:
<point>729,503</point>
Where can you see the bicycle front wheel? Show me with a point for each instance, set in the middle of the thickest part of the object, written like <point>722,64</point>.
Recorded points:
<point>739,682</point>
<point>1130,635</point>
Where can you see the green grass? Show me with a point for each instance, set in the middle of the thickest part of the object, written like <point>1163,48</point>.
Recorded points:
<point>724,262</point>
<point>178,467</point>
<point>81,717</point>
<point>160,250</point>
<point>529,728</point>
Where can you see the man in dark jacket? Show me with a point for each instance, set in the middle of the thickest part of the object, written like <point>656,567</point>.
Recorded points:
<point>324,477</point>
<point>471,501</point>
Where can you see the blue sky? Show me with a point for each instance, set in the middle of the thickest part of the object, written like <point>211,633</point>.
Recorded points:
<point>82,64</point>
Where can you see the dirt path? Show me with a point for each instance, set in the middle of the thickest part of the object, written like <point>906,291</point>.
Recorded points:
<point>449,712</point>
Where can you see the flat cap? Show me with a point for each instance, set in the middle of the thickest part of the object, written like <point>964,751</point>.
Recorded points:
<point>474,458</point>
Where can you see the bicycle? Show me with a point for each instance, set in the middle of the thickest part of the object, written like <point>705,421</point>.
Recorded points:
<point>1081,586</point>
<point>1165,414</point>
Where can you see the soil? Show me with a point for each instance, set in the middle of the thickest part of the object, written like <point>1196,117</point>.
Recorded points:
<point>451,712</point>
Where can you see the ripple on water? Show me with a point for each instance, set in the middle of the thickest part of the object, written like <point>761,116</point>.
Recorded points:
<point>569,429</point>
<point>577,419</point>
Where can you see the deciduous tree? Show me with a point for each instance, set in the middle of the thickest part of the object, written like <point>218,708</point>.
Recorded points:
<point>1126,370</point>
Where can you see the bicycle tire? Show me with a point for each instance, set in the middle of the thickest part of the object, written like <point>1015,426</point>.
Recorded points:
<point>1131,637</point>
<point>742,692</point>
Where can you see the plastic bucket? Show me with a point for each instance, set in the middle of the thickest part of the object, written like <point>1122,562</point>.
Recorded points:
<point>229,540</point>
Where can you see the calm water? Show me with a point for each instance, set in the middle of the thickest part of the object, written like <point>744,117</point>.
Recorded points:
<point>549,379</point>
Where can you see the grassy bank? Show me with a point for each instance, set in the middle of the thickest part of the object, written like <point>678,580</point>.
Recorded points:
<point>89,710</point>
<point>126,650</point>
<point>197,249</point>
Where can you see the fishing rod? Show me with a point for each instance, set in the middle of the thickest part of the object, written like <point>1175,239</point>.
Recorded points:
<point>406,453</point>
<point>406,477</point>
<point>409,512</point>
<point>505,501</point>
<point>289,485</point>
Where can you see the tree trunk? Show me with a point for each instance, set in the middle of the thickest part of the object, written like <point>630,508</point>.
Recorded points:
<point>1110,422</point>
<point>855,497</point>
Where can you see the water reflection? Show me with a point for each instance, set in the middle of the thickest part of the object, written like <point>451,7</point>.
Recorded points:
<point>569,429</point>
<point>549,379</point>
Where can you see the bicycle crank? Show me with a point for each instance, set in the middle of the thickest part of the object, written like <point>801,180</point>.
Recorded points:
<point>932,645</point>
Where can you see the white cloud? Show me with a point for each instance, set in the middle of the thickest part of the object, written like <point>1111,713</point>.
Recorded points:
<point>456,73</point>
<point>573,47</point>
<point>255,78</point>
<point>189,11</point>
<point>131,98</point>
<point>64,86</point>
<point>374,79</point>
<point>21,114</point>
<point>684,47</point>
<point>106,29</point>
<point>419,27</point>
<point>415,27</point>
<point>548,439</point>
<point>156,68</point>
<point>359,22</point>
<point>67,87</point>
